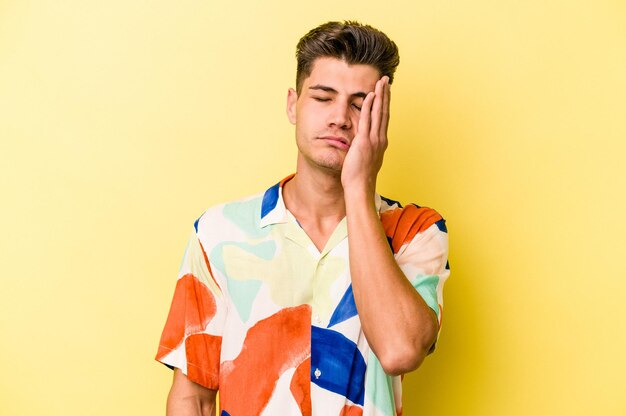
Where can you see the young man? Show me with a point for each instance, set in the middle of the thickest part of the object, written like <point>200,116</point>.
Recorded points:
<point>313,297</point>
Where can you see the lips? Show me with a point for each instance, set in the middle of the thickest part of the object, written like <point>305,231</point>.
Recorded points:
<point>337,141</point>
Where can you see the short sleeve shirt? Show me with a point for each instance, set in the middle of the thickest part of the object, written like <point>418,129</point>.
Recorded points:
<point>260,314</point>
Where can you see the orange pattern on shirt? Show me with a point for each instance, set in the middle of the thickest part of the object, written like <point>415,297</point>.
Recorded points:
<point>272,346</point>
<point>192,309</point>
<point>404,223</point>
<point>301,387</point>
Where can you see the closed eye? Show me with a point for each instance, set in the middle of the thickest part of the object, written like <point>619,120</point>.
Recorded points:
<point>358,107</point>
<point>321,99</point>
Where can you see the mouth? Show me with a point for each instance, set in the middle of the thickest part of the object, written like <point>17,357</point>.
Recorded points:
<point>337,141</point>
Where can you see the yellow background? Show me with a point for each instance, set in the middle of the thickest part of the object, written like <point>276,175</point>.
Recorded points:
<point>121,121</point>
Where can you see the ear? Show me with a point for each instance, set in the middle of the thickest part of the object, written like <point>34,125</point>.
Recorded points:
<point>292,99</point>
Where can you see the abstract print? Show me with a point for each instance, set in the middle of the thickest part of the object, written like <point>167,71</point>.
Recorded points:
<point>263,316</point>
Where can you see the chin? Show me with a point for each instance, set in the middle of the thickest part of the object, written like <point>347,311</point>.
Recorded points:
<point>329,160</point>
<point>333,164</point>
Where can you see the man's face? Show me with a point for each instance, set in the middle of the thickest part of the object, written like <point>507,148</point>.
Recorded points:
<point>327,110</point>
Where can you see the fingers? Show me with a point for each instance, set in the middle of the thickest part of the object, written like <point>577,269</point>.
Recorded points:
<point>385,111</point>
<point>374,118</point>
<point>376,110</point>
<point>380,112</point>
<point>366,116</point>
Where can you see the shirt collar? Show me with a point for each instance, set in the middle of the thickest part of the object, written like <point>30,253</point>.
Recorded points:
<point>274,211</point>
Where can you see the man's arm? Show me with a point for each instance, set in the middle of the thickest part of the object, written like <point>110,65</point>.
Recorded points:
<point>187,398</point>
<point>398,324</point>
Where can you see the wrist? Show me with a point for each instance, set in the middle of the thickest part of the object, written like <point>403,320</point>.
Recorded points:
<point>359,200</point>
<point>356,189</point>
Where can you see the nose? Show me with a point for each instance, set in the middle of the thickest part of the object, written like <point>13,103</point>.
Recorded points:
<point>339,116</point>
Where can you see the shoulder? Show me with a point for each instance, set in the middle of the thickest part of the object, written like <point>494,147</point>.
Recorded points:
<point>230,219</point>
<point>402,224</point>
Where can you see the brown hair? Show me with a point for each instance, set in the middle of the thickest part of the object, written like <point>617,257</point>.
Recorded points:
<point>350,41</point>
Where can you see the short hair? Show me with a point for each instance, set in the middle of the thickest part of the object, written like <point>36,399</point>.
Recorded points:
<point>350,41</point>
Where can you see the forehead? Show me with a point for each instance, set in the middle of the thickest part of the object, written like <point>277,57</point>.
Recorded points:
<point>341,76</point>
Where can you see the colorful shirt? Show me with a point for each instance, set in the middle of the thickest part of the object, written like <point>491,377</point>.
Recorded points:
<point>260,314</point>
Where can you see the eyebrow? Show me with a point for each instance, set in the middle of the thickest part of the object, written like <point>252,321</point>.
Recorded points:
<point>325,88</point>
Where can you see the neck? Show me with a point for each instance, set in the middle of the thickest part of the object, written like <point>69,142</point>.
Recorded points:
<point>316,195</point>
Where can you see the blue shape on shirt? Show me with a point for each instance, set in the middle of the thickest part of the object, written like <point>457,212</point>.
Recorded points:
<point>441,224</point>
<point>345,310</point>
<point>391,202</point>
<point>195,224</point>
<point>270,198</point>
<point>337,364</point>
<point>224,413</point>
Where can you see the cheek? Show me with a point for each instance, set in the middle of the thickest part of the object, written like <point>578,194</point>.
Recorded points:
<point>354,118</point>
<point>309,118</point>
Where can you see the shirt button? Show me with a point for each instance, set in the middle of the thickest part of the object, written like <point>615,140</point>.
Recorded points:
<point>317,373</point>
<point>317,319</point>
